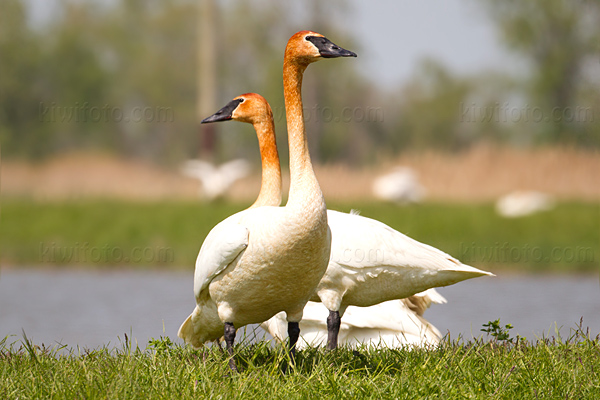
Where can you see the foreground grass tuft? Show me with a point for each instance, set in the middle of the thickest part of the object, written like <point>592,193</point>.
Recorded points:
<point>546,368</point>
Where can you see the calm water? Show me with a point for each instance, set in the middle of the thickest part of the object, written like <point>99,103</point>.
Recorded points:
<point>92,309</point>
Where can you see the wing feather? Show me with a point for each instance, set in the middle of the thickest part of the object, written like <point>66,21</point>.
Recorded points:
<point>224,243</point>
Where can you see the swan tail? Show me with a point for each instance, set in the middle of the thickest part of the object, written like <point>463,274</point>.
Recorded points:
<point>201,326</point>
<point>468,271</point>
<point>187,332</point>
<point>420,302</point>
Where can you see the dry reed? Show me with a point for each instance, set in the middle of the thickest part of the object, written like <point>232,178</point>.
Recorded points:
<point>480,174</point>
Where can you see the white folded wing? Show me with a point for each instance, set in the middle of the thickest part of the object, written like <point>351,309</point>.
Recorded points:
<point>391,324</point>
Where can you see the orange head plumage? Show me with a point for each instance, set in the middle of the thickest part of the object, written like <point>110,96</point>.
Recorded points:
<point>248,107</point>
<point>306,47</point>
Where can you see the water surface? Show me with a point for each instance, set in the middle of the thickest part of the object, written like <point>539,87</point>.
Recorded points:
<point>96,308</point>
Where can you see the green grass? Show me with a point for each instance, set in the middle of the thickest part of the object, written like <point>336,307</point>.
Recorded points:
<point>97,233</point>
<point>549,368</point>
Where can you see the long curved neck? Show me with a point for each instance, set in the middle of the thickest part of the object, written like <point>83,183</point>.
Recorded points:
<point>303,182</point>
<point>270,187</point>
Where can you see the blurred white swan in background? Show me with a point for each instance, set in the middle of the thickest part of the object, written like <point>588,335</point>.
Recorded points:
<point>401,185</point>
<point>391,324</point>
<point>215,180</point>
<point>523,202</point>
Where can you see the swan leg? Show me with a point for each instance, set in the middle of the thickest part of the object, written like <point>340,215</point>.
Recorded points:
<point>229,339</point>
<point>333,329</point>
<point>293,334</point>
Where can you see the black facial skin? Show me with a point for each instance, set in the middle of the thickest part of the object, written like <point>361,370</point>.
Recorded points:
<point>327,49</point>
<point>225,113</point>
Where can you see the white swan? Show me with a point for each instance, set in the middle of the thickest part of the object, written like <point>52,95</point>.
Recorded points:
<point>522,203</point>
<point>400,186</point>
<point>215,180</point>
<point>264,260</point>
<point>370,262</point>
<point>391,324</point>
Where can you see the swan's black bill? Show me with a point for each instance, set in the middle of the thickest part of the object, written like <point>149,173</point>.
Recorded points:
<point>225,113</point>
<point>328,49</point>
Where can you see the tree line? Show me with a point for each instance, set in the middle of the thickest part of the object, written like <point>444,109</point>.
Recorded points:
<point>122,77</point>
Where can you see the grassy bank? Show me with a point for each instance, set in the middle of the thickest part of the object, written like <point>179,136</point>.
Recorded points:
<point>550,368</point>
<point>98,233</point>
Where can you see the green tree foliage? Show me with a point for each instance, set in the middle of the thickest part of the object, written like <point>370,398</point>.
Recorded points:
<point>20,86</point>
<point>560,40</point>
<point>148,50</point>
<point>428,116</point>
<point>122,77</point>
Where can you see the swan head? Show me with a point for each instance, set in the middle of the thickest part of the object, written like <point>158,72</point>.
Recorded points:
<point>307,47</point>
<point>249,107</point>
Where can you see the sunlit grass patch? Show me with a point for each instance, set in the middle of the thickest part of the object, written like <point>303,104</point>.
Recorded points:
<point>546,367</point>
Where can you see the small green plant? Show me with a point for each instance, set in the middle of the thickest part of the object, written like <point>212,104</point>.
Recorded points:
<point>160,346</point>
<point>501,334</point>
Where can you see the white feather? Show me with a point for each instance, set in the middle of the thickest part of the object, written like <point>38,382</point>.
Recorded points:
<point>371,262</point>
<point>391,324</point>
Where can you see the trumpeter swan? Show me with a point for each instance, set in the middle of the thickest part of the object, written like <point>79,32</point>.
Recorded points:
<point>370,262</point>
<point>522,203</point>
<point>399,186</point>
<point>264,260</point>
<point>215,180</point>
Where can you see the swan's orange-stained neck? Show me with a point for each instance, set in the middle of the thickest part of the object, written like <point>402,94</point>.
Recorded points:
<point>270,188</point>
<point>255,109</point>
<point>303,182</point>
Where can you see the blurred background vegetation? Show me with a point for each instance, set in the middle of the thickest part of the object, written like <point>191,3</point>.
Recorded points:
<point>115,90</point>
<point>69,83</point>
